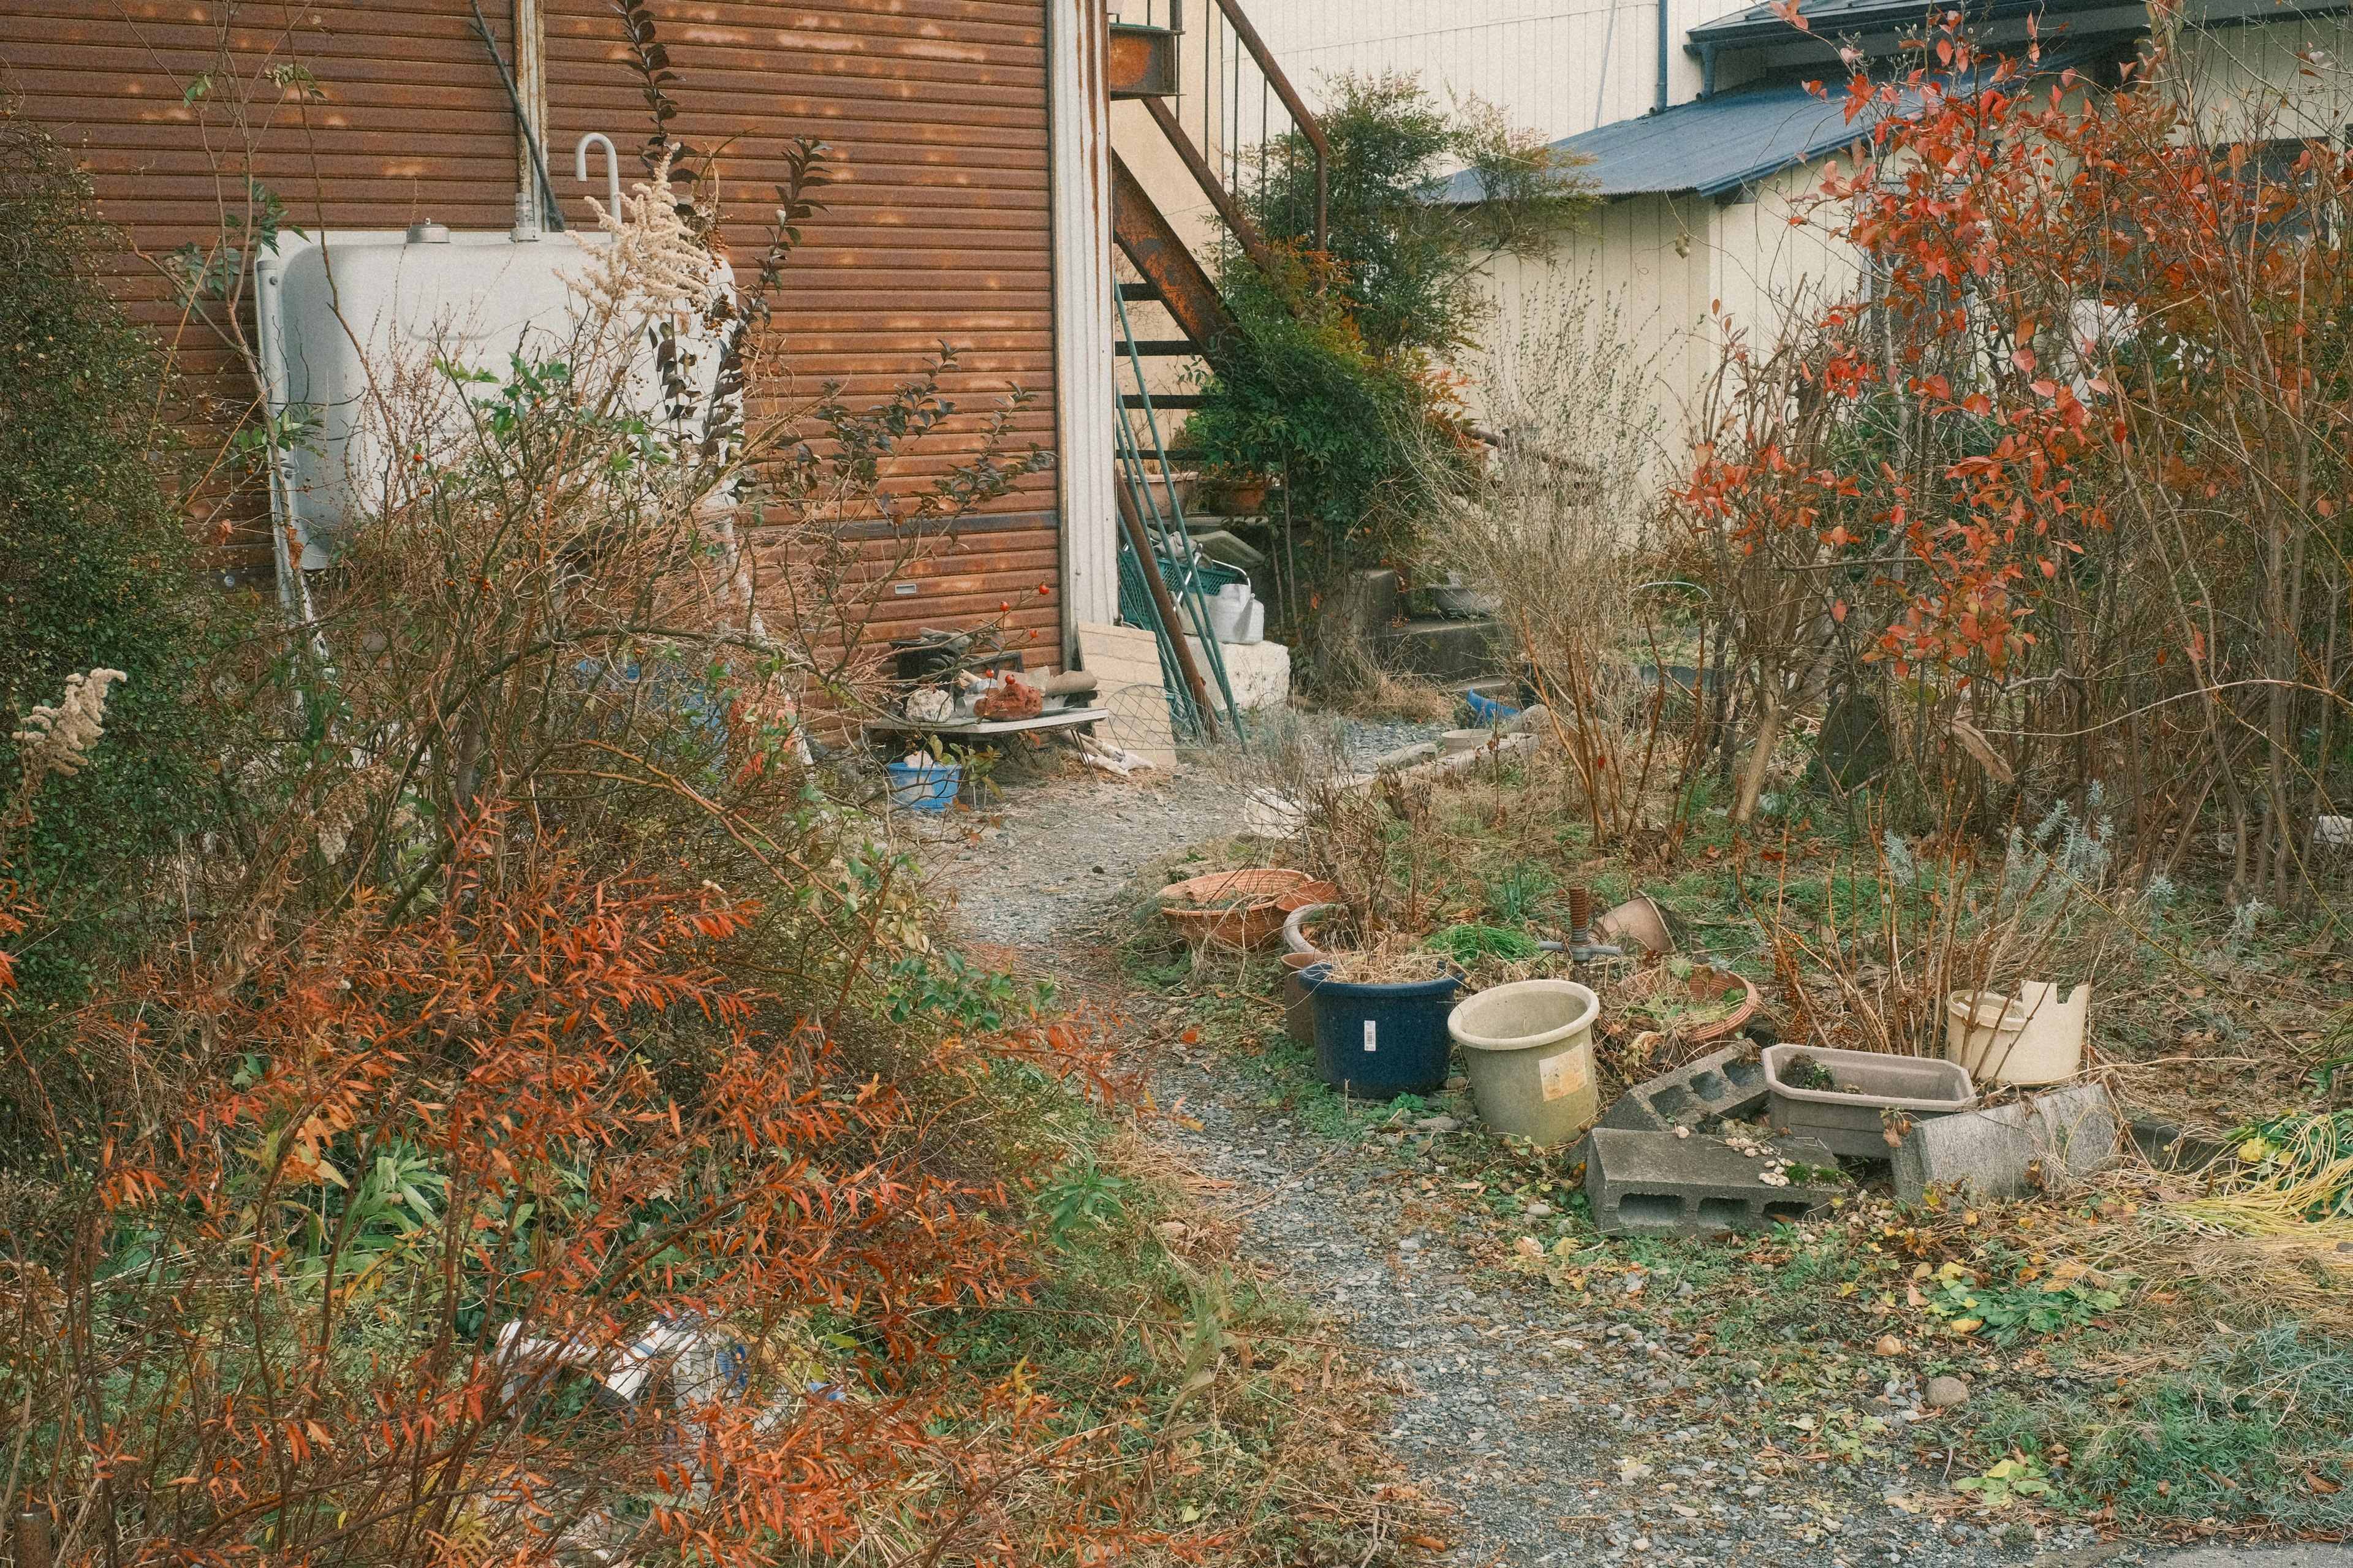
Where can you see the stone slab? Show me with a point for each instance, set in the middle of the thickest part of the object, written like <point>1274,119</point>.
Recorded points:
<point>2041,1143</point>
<point>1443,650</point>
<point>1655,1184</point>
<point>1717,1084</point>
<point>1260,672</point>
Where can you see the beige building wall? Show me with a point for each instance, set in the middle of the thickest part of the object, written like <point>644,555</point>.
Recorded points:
<point>1684,273</point>
<point>1559,66</point>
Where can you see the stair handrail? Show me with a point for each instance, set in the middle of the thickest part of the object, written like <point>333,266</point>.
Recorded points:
<point>1290,101</point>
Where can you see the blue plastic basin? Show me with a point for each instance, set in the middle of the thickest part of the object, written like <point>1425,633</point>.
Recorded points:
<point>1381,1040</point>
<point>927,786</point>
<point>1486,710</point>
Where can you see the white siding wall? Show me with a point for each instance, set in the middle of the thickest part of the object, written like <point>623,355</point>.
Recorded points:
<point>1083,315</point>
<point>1560,66</point>
<point>2270,91</point>
<point>1684,273</point>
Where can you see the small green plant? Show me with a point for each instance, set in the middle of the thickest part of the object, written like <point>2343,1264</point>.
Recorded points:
<point>1805,1072</point>
<point>1467,944</point>
<point>951,987</point>
<point>2306,1159</point>
<point>1080,1193</point>
<point>1519,891</point>
<point>100,574</point>
<point>2006,1481</point>
<point>1968,1303</point>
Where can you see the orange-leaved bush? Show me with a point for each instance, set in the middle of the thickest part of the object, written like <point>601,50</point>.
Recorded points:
<point>517,1230</point>
<point>2063,483</point>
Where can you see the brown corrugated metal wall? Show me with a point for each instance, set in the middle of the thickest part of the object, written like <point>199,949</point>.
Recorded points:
<point>938,230</point>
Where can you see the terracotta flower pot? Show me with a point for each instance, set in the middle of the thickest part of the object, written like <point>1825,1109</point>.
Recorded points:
<point>1245,500</point>
<point>1230,908</point>
<point>1637,919</point>
<point>1649,983</point>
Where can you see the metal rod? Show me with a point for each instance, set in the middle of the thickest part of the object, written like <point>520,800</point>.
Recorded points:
<point>1665,28</point>
<point>32,1545</point>
<point>554,215</point>
<point>1290,101</point>
<point>1149,559</point>
<point>1172,528</point>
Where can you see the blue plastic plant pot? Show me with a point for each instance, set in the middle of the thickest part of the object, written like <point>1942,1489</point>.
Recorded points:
<point>1380,1041</point>
<point>1486,710</point>
<point>925,786</point>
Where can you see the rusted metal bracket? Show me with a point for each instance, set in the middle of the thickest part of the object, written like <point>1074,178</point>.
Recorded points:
<point>1142,61</point>
<point>1147,240</point>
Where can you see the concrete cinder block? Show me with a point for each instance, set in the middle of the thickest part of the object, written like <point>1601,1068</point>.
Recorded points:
<point>2168,1148</point>
<point>1259,672</point>
<point>1655,1184</point>
<point>1369,599</point>
<point>2041,1142</point>
<point>1729,1082</point>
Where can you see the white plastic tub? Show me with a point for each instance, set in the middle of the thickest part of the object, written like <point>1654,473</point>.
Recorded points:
<point>1527,1049</point>
<point>2034,1037</point>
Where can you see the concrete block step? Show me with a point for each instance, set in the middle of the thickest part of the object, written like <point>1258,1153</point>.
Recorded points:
<point>1655,1184</point>
<point>1728,1083</point>
<point>1445,650</point>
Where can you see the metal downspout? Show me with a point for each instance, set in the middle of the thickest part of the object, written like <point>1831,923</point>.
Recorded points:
<point>1659,99</point>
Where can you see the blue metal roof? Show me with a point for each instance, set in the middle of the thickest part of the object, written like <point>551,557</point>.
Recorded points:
<point>1717,145</point>
<point>1830,19</point>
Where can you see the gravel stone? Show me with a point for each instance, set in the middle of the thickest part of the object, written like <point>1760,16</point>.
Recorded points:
<point>1943,1393</point>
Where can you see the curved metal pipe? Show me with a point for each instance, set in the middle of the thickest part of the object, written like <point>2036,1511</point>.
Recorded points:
<point>612,170</point>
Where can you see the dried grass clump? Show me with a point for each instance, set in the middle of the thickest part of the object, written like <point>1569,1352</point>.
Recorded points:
<point>58,739</point>
<point>1394,959</point>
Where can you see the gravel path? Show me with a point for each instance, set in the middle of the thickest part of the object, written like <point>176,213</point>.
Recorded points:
<point>1553,1438</point>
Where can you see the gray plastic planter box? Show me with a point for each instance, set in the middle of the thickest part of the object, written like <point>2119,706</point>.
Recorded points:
<point>1917,1087</point>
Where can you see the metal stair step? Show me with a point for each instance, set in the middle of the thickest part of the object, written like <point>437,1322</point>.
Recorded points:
<point>1160,400</point>
<point>1138,292</point>
<point>1166,348</point>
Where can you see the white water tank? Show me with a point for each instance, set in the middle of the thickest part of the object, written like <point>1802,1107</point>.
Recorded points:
<point>341,315</point>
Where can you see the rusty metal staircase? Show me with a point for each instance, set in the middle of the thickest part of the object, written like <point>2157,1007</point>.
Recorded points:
<point>1244,108</point>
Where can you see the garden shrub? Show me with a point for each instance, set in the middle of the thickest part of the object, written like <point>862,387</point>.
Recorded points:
<point>1339,388</point>
<point>99,571</point>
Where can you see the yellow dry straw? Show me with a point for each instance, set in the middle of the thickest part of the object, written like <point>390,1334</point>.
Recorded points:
<point>2295,1182</point>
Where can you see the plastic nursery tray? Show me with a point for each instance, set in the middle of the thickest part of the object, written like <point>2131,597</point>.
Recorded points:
<point>1918,1087</point>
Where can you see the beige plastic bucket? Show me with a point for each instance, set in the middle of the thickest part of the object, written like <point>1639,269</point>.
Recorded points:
<point>1527,1049</point>
<point>2034,1037</point>
<point>1981,1030</point>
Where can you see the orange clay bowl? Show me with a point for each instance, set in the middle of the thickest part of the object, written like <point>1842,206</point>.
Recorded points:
<point>1232,909</point>
<point>1649,981</point>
